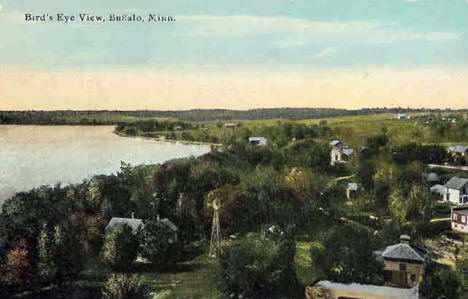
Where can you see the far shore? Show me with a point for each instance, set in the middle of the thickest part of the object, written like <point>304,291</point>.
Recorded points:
<point>168,140</point>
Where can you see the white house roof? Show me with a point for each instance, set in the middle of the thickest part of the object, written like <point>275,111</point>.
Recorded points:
<point>348,151</point>
<point>388,292</point>
<point>135,224</point>
<point>458,149</point>
<point>403,252</point>
<point>353,186</point>
<point>439,189</point>
<point>335,142</point>
<point>456,183</point>
<point>257,139</point>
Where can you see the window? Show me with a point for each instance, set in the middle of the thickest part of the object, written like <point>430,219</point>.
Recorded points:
<point>463,218</point>
<point>413,278</point>
<point>454,217</point>
<point>402,267</point>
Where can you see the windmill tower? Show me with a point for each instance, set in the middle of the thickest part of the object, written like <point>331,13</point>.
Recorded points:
<point>215,246</point>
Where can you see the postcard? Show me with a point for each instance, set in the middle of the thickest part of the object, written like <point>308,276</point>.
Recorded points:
<point>259,149</point>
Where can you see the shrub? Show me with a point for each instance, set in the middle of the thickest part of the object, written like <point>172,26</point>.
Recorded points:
<point>257,267</point>
<point>160,245</point>
<point>120,247</point>
<point>121,286</point>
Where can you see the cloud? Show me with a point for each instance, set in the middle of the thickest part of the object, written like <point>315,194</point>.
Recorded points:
<point>324,53</point>
<point>292,32</point>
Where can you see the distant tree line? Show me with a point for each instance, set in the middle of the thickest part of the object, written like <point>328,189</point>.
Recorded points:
<point>112,117</point>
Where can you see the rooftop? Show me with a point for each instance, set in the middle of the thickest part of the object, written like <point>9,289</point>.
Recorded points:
<point>402,251</point>
<point>458,148</point>
<point>463,211</point>
<point>135,224</point>
<point>439,189</point>
<point>388,292</point>
<point>353,186</point>
<point>456,183</point>
<point>335,142</point>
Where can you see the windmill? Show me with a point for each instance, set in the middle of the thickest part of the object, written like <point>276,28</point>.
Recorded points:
<point>215,246</point>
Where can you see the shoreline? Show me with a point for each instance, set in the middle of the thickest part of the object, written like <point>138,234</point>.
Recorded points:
<point>188,142</point>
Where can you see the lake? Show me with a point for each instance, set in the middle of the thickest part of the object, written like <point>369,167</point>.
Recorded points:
<point>31,156</point>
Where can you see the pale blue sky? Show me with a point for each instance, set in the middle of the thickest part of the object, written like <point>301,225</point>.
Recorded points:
<point>260,32</point>
<point>236,54</point>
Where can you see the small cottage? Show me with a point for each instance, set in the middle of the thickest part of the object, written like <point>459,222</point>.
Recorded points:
<point>403,116</point>
<point>230,126</point>
<point>404,264</point>
<point>459,216</point>
<point>258,141</point>
<point>340,153</point>
<point>135,224</point>
<point>456,190</point>
<point>353,190</point>
<point>439,191</point>
<point>456,150</point>
<point>167,224</point>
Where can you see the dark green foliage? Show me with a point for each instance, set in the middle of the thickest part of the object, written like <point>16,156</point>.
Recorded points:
<point>365,173</point>
<point>257,267</point>
<point>431,230</point>
<point>160,245</point>
<point>345,255</point>
<point>417,152</point>
<point>373,143</point>
<point>121,286</point>
<point>441,281</point>
<point>120,247</point>
<point>381,194</point>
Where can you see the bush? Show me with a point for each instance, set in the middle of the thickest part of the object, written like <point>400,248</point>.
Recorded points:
<point>160,245</point>
<point>257,267</point>
<point>441,282</point>
<point>121,286</point>
<point>120,247</point>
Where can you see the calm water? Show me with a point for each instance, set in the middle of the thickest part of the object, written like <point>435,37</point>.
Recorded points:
<point>31,156</point>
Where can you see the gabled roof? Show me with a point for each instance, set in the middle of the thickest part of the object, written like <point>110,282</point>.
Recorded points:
<point>456,183</point>
<point>439,189</point>
<point>402,252</point>
<point>335,142</point>
<point>168,223</point>
<point>135,224</point>
<point>458,149</point>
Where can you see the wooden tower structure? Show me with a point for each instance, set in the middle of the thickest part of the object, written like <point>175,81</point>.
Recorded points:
<point>215,245</point>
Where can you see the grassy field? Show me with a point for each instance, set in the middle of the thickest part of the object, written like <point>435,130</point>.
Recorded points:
<point>353,130</point>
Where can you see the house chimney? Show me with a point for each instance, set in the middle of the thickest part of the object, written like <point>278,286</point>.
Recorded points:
<point>133,215</point>
<point>405,239</point>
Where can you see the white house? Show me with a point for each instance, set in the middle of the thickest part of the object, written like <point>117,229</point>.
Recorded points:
<point>456,190</point>
<point>458,150</point>
<point>352,190</point>
<point>230,126</point>
<point>340,153</point>
<point>403,116</point>
<point>259,141</point>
